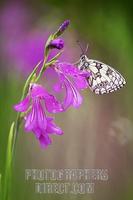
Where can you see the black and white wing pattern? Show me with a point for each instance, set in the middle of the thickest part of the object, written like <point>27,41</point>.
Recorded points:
<point>104,79</point>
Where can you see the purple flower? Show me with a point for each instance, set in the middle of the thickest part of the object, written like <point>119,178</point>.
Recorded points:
<point>72,80</point>
<point>57,43</point>
<point>35,103</point>
<point>64,25</point>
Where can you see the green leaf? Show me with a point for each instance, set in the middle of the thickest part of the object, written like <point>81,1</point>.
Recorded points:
<point>8,168</point>
<point>54,58</point>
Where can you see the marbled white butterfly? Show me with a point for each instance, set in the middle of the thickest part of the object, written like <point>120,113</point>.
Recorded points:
<point>104,79</point>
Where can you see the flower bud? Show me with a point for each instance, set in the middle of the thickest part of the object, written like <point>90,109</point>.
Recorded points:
<point>62,28</point>
<point>56,43</point>
<point>64,25</point>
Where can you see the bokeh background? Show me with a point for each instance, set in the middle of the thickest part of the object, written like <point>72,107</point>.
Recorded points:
<point>97,135</point>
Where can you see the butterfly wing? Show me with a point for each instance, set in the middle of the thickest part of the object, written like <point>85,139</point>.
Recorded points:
<point>104,78</point>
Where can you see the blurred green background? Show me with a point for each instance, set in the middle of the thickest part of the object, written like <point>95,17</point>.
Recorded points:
<point>97,135</point>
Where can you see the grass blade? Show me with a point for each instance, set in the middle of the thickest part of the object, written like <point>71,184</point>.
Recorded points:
<point>8,167</point>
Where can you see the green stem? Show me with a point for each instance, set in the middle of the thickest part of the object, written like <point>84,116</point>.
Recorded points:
<point>41,71</point>
<point>29,80</point>
<point>47,50</point>
<point>54,58</point>
<point>32,78</point>
<point>45,65</point>
<point>0,187</point>
<point>44,61</point>
<point>13,134</point>
<point>24,93</point>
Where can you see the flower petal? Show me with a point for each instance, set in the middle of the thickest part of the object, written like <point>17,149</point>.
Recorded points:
<point>36,119</point>
<point>68,98</point>
<point>77,99</point>
<point>68,69</point>
<point>73,96</point>
<point>38,91</point>
<point>23,105</point>
<point>30,121</point>
<point>52,105</point>
<point>79,77</point>
<point>80,82</point>
<point>52,128</point>
<point>37,132</point>
<point>44,140</point>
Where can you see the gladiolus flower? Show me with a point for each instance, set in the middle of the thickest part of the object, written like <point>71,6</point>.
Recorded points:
<point>36,102</point>
<point>73,80</point>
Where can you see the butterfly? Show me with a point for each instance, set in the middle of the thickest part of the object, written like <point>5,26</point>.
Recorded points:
<point>103,79</point>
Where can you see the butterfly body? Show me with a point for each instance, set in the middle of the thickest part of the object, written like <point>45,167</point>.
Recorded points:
<point>103,79</point>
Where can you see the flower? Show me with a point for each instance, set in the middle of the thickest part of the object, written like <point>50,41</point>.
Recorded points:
<point>36,102</point>
<point>72,80</point>
<point>64,25</point>
<point>56,43</point>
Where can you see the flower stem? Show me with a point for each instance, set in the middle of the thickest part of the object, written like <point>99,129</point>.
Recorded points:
<point>0,187</point>
<point>42,70</point>
<point>25,90</point>
<point>29,80</point>
<point>13,134</point>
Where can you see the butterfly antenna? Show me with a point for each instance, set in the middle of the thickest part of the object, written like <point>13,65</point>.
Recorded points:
<point>80,47</point>
<point>87,47</point>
